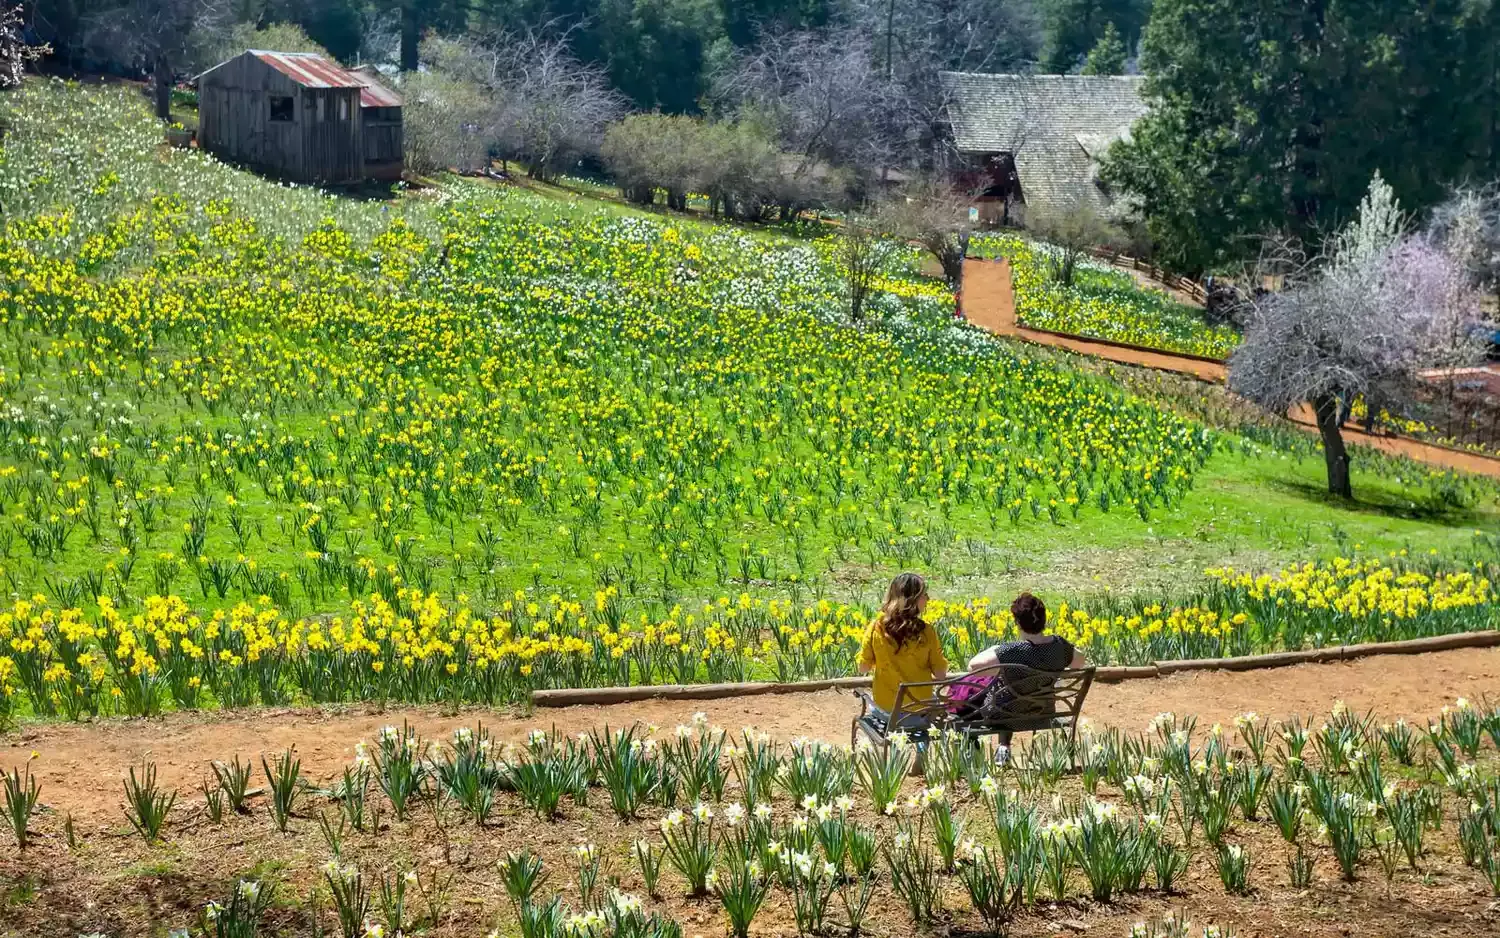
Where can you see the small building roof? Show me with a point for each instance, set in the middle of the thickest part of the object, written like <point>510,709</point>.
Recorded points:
<point>311,70</point>
<point>373,90</point>
<point>1056,127</point>
<point>308,69</point>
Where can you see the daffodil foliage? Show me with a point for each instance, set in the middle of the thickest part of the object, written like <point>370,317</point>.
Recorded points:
<point>466,398</point>
<point>258,443</point>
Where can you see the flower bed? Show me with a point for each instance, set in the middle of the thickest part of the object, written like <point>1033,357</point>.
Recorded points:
<point>415,647</point>
<point>630,831</point>
<point>1102,302</point>
<point>234,392</point>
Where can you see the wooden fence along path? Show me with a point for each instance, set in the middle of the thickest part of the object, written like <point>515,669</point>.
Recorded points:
<point>1185,285</point>
<point>988,301</point>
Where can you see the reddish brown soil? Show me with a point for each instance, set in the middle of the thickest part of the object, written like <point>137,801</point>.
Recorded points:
<point>114,883</point>
<point>81,765</point>
<point>989,302</point>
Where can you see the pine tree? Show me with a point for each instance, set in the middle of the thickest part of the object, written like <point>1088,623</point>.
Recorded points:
<point>1108,55</point>
<point>1268,116</point>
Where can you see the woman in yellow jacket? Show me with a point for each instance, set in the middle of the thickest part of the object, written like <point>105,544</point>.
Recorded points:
<point>901,648</point>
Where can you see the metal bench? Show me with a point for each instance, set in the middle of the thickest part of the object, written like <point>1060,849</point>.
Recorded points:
<point>1032,701</point>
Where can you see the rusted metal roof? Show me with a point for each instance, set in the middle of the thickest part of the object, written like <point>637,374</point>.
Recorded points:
<point>373,91</point>
<point>308,69</point>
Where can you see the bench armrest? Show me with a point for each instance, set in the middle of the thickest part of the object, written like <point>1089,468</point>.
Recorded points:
<point>866,701</point>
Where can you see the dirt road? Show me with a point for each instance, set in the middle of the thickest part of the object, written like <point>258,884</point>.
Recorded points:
<point>81,766</point>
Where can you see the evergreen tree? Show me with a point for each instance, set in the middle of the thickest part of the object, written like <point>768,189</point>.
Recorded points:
<point>1108,55</point>
<point>1268,115</point>
<point>1071,29</point>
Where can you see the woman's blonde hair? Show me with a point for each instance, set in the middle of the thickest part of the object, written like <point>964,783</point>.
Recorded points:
<point>899,618</point>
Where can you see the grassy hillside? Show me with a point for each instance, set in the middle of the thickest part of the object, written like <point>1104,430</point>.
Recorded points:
<point>227,391</point>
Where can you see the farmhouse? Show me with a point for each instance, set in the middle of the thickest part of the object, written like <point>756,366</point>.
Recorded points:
<point>1034,141</point>
<point>299,116</point>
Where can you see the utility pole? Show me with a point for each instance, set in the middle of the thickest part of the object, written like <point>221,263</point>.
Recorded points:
<point>890,23</point>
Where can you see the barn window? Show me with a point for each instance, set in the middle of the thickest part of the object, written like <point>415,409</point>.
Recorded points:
<point>322,115</point>
<point>282,108</point>
<point>343,109</point>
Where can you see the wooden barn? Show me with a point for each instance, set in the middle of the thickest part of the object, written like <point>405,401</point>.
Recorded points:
<point>380,124</point>
<point>297,115</point>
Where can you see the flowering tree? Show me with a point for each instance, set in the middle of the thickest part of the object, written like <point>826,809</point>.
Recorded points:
<point>1469,221</point>
<point>1381,305</point>
<point>15,53</point>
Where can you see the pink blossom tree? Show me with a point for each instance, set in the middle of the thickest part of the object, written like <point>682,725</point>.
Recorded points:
<point>1380,305</point>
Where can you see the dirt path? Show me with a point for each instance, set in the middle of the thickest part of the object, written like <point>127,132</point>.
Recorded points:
<point>989,302</point>
<point>81,766</point>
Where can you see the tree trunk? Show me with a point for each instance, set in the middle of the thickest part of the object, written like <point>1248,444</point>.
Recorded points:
<point>1327,410</point>
<point>161,81</point>
<point>411,35</point>
<point>951,257</point>
<point>953,270</point>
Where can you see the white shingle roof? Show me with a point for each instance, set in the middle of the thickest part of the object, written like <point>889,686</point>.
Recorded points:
<point>1056,126</point>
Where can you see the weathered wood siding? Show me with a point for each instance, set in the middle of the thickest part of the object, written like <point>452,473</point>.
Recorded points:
<point>333,139</point>
<point>383,143</point>
<point>234,116</point>
<point>323,142</point>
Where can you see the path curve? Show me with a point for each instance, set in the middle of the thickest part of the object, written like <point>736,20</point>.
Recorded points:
<point>988,301</point>
<point>81,766</point>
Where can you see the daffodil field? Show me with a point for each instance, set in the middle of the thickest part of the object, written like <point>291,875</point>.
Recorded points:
<point>1102,302</point>
<point>68,663</point>
<point>260,445</point>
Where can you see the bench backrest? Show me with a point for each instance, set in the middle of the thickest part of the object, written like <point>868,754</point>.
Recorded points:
<point>1024,694</point>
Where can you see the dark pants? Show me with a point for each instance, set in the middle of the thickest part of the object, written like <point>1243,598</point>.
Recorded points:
<point>909,721</point>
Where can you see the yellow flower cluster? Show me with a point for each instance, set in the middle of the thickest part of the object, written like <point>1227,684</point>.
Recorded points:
<point>1364,599</point>
<point>472,397</point>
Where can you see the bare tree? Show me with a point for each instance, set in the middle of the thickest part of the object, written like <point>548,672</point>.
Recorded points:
<point>556,107</point>
<point>15,53</point>
<point>1366,318</point>
<point>935,215</point>
<point>1071,230</point>
<point>914,42</point>
<point>820,94</point>
<point>160,36</point>
<point>859,262</point>
<point>549,108</point>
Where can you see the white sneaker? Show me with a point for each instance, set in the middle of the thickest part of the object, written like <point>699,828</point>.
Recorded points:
<point>1002,755</point>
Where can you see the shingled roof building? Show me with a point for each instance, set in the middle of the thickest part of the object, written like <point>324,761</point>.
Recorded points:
<point>300,116</point>
<point>1035,140</point>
